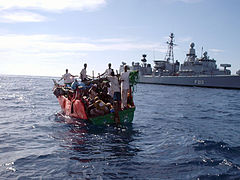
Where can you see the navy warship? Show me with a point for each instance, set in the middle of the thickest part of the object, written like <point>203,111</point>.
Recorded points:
<point>201,72</point>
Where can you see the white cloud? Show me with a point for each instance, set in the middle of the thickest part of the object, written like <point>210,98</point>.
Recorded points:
<point>51,5</point>
<point>113,40</point>
<point>21,54</point>
<point>216,50</point>
<point>33,50</point>
<point>184,39</point>
<point>53,43</point>
<point>13,11</point>
<point>21,16</point>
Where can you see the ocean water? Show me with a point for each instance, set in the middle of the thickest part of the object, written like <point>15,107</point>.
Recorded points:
<point>177,133</point>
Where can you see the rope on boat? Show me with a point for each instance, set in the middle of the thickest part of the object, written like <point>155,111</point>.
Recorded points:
<point>133,79</point>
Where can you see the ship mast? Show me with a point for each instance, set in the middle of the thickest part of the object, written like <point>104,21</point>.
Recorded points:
<point>169,56</point>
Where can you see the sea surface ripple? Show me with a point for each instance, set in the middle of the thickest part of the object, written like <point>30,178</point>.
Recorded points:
<point>177,133</point>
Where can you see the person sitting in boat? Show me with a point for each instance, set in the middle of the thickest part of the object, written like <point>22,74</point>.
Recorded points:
<point>100,105</point>
<point>110,107</point>
<point>68,78</point>
<point>103,94</point>
<point>75,84</point>
<point>93,92</point>
<point>124,87</point>
<point>98,108</point>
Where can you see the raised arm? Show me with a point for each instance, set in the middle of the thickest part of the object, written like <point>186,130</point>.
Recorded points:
<point>102,74</point>
<point>60,79</point>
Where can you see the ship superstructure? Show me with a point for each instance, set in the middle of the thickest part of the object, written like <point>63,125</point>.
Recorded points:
<point>194,71</point>
<point>201,66</point>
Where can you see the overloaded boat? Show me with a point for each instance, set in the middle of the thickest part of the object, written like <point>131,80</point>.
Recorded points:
<point>75,105</point>
<point>201,72</point>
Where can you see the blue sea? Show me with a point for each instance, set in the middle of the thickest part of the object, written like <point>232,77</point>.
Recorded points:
<point>177,133</point>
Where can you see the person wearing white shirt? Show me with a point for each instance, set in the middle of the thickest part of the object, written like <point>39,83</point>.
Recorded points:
<point>83,73</point>
<point>124,87</point>
<point>68,78</point>
<point>114,87</point>
<point>108,71</point>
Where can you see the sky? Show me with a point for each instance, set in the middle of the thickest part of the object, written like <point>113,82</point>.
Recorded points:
<point>44,37</point>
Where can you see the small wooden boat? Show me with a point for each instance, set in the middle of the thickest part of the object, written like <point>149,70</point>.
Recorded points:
<point>78,108</point>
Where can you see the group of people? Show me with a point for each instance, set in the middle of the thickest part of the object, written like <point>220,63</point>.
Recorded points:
<point>110,92</point>
<point>69,78</point>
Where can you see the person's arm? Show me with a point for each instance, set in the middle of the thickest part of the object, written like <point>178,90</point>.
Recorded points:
<point>74,75</point>
<point>60,79</point>
<point>102,74</point>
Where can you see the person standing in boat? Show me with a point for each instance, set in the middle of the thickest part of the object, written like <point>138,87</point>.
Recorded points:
<point>115,88</point>
<point>106,74</point>
<point>124,87</point>
<point>83,73</point>
<point>68,78</point>
<point>108,71</point>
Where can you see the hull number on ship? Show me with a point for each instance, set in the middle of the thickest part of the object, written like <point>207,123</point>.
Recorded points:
<point>199,82</point>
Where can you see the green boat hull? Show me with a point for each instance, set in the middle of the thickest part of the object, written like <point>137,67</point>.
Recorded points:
<point>126,116</point>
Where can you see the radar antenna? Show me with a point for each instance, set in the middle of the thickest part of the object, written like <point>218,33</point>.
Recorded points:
<point>169,56</point>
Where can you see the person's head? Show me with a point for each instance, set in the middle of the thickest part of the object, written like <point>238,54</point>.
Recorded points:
<point>109,105</point>
<point>109,65</point>
<point>66,70</point>
<point>107,84</point>
<point>85,65</point>
<point>96,98</point>
<point>112,73</point>
<point>94,87</point>
<point>125,68</point>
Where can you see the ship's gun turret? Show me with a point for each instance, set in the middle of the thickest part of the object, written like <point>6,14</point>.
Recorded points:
<point>225,66</point>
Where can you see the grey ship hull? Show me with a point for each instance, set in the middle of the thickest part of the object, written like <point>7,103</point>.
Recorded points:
<point>217,81</point>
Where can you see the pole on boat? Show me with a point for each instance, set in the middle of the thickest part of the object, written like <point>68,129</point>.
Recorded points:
<point>93,74</point>
<point>202,52</point>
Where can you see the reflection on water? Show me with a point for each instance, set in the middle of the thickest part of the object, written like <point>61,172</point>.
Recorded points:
<point>95,147</point>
